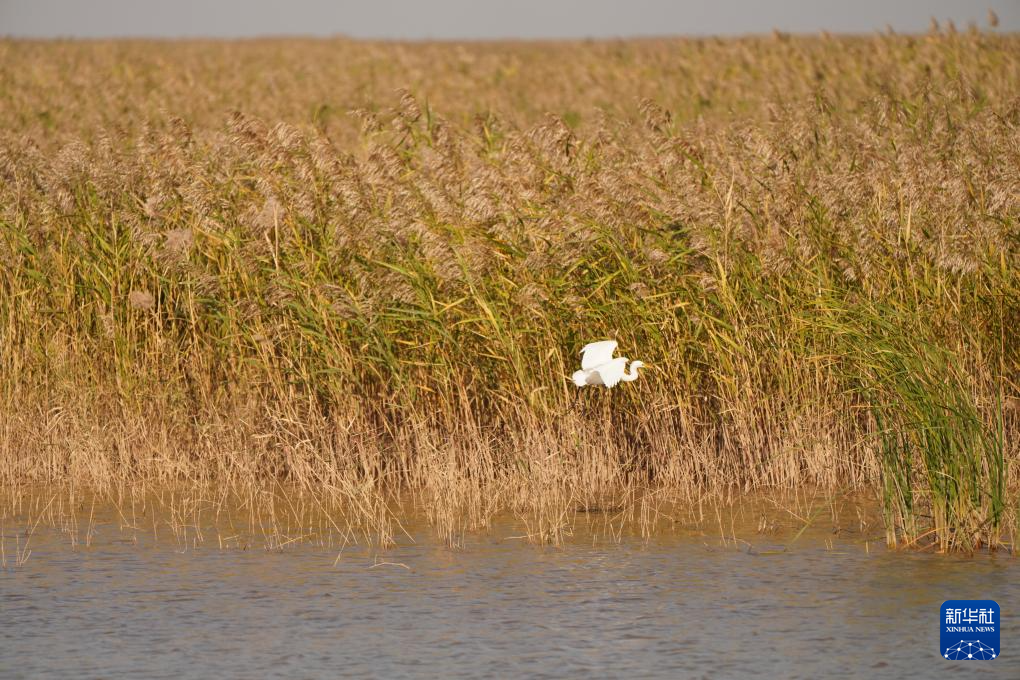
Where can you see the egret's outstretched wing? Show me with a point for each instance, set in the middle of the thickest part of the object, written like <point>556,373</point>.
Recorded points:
<point>597,353</point>
<point>611,373</point>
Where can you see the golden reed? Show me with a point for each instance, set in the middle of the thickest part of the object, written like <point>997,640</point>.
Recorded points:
<point>358,270</point>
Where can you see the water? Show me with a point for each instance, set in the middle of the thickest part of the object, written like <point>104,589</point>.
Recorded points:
<point>676,606</point>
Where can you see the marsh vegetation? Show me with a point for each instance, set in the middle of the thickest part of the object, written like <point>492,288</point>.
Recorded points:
<point>364,270</point>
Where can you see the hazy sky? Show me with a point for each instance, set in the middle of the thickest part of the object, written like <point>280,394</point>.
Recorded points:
<point>482,18</point>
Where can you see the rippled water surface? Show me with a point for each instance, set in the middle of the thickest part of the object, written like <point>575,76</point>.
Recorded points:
<point>674,606</point>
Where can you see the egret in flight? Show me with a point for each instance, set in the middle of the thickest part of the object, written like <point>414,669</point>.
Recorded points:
<point>598,367</point>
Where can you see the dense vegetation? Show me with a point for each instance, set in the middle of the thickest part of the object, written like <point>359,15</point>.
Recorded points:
<point>362,268</point>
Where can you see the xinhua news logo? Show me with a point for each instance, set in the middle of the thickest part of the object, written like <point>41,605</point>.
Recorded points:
<point>970,630</point>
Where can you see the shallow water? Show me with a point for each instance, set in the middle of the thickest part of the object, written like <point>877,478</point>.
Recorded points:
<point>675,606</point>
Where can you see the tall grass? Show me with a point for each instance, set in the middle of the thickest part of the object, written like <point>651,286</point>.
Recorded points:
<point>812,241</point>
<point>938,452</point>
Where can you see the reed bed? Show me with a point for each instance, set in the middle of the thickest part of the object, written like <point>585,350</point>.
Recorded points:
<point>360,270</point>
<point>189,518</point>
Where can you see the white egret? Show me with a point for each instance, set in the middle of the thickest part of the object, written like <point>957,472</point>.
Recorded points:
<point>598,367</point>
